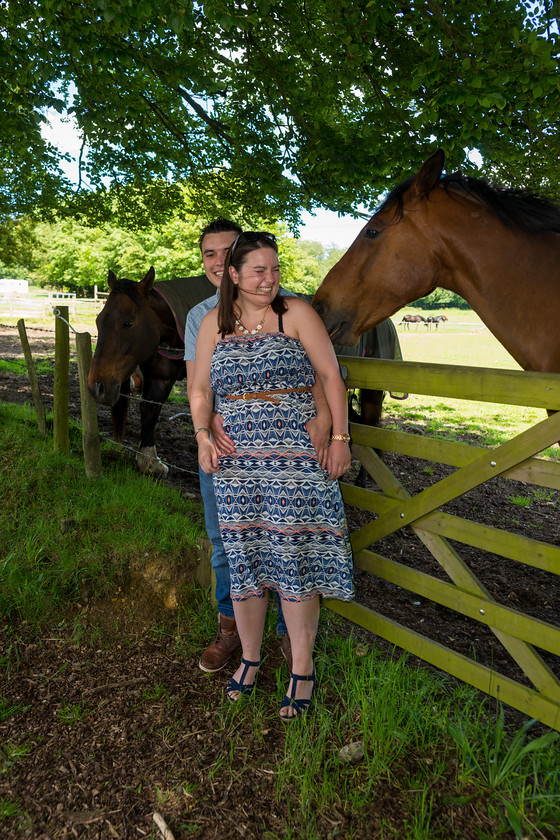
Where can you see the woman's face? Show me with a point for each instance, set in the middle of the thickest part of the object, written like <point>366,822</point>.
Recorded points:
<point>259,276</point>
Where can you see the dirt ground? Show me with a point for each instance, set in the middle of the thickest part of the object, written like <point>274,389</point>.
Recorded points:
<point>94,780</point>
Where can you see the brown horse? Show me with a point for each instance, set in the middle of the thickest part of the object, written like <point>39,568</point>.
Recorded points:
<point>137,328</point>
<point>413,319</point>
<point>497,248</point>
<point>436,320</point>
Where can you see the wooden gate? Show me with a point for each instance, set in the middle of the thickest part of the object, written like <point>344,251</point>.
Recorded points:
<point>394,508</point>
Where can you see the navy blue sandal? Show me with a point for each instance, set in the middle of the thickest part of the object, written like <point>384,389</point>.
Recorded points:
<point>244,690</point>
<point>300,707</point>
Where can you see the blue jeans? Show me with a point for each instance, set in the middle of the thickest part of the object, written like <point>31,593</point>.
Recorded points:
<point>219,559</point>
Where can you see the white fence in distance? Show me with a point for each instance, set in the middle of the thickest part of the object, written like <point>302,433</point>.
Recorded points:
<point>41,304</point>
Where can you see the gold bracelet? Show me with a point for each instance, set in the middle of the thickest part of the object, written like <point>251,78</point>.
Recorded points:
<point>201,429</point>
<point>344,438</point>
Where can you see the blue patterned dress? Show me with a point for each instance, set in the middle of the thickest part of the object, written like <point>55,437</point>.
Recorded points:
<point>282,521</point>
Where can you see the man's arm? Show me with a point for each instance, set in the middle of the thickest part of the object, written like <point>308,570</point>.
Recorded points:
<point>319,427</point>
<point>224,443</point>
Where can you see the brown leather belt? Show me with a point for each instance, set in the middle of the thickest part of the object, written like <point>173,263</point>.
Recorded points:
<point>268,395</point>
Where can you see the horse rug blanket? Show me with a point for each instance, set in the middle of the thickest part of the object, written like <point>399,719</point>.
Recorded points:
<point>181,294</point>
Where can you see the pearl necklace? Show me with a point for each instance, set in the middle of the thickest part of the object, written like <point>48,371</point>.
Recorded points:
<point>257,329</point>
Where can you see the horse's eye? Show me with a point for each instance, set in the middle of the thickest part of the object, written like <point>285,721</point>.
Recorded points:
<point>372,233</point>
<point>127,325</point>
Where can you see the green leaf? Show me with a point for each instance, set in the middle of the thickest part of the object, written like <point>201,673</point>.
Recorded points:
<point>514,819</point>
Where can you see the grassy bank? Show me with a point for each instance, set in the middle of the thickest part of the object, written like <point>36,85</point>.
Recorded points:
<point>431,758</point>
<point>64,537</point>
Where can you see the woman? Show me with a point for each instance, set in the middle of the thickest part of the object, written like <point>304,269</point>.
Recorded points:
<point>281,514</point>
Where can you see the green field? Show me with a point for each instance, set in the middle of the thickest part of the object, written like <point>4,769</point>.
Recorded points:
<point>454,343</point>
<point>462,340</point>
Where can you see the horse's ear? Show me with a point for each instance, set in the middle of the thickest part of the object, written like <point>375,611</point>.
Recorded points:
<point>430,174</point>
<point>111,279</point>
<point>145,285</point>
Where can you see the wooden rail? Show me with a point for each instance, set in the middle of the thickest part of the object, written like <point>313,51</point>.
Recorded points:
<point>393,508</point>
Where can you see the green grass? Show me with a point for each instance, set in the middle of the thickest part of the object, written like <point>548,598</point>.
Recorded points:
<point>11,752</point>
<point>7,709</point>
<point>435,755</point>
<point>502,768</point>
<point>407,721</point>
<point>71,713</point>
<point>520,501</point>
<point>472,346</point>
<point>66,536</point>
<point>18,366</point>
<point>82,321</point>
<point>12,809</point>
<point>435,751</point>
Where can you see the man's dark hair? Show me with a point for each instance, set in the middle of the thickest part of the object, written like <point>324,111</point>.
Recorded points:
<point>219,226</point>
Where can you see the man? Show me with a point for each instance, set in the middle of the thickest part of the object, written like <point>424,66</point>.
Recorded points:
<point>215,241</point>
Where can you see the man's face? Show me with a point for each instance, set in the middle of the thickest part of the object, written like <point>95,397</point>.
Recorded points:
<point>214,248</point>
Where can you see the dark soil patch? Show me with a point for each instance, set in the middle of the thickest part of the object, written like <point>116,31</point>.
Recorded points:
<point>106,750</point>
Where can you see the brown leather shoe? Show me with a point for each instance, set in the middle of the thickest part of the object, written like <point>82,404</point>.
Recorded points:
<point>222,648</point>
<point>286,648</point>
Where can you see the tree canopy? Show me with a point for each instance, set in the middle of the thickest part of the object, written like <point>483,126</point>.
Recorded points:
<point>75,256</point>
<point>267,107</point>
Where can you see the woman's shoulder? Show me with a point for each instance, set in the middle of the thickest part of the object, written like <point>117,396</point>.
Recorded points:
<point>296,304</point>
<point>210,319</point>
<point>301,311</point>
<point>209,326</point>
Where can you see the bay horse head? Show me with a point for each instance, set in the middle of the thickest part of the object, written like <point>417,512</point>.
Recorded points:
<point>390,263</point>
<point>497,247</point>
<point>128,334</point>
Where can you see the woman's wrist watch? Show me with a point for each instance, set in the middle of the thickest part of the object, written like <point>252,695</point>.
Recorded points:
<point>344,438</point>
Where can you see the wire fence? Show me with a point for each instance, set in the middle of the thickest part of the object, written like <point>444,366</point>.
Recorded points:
<point>129,448</point>
<point>106,438</point>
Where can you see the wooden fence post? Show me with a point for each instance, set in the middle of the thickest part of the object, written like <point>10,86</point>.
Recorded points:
<point>90,428</point>
<point>61,381</point>
<point>35,389</point>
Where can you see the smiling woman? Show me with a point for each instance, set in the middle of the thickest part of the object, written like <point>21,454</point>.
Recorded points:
<point>280,510</point>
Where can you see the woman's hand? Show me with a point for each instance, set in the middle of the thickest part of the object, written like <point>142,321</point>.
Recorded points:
<point>207,456</point>
<point>339,459</point>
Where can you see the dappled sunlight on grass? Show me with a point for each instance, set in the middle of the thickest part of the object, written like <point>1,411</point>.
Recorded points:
<point>492,423</point>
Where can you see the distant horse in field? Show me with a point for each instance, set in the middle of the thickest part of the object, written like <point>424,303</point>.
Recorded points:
<point>497,248</point>
<point>413,319</point>
<point>142,326</point>
<point>436,319</point>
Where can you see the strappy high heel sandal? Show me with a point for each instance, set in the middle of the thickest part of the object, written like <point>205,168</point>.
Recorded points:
<point>244,690</point>
<point>300,707</point>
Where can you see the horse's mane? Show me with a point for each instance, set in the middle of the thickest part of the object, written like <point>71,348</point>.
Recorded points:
<point>124,286</point>
<point>513,207</point>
